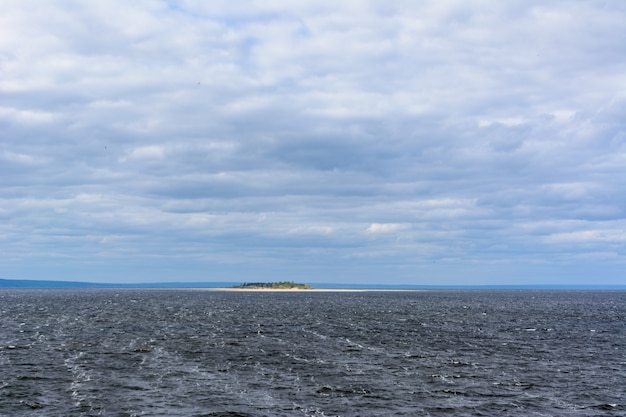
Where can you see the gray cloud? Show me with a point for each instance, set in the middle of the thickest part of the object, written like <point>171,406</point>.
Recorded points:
<point>361,141</point>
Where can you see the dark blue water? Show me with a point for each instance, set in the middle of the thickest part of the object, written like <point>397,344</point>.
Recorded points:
<point>207,353</point>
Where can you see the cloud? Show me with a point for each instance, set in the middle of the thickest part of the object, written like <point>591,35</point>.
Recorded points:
<point>145,152</point>
<point>351,140</point>
<point>385,227</point>
<point>588,236</point>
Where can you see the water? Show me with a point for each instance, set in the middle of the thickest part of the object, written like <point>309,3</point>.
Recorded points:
<point>206,353</point>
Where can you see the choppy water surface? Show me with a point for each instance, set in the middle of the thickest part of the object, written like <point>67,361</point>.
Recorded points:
<point>202,353</point>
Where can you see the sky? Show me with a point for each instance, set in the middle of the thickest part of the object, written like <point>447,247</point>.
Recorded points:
<point>389,142</point>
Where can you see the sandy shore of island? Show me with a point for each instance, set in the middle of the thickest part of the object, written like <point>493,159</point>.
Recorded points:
<point>300,290</point>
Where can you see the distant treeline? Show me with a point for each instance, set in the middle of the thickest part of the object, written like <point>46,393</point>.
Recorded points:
<point>280,285</point>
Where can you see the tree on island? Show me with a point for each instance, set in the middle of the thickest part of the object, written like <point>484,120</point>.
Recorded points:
<point>280,285</point>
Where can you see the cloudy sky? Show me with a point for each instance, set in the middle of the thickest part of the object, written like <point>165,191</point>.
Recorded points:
<point>407,142</point>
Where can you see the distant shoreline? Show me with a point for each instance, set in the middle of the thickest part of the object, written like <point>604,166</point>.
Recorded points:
<point>316,287</point>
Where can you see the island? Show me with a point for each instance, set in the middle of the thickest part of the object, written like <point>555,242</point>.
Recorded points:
<point>280,285</point>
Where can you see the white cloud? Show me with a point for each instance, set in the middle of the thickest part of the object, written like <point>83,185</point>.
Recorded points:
<point>386,227</point>
<point>145,152</point>
<point>26,116</point>
<point>508,121</point>
<point>20,158</point>
<point>314,229</point>
<point>588,236</point>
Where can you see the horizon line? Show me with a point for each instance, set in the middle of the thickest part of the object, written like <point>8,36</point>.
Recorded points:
<point>35,283</point>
